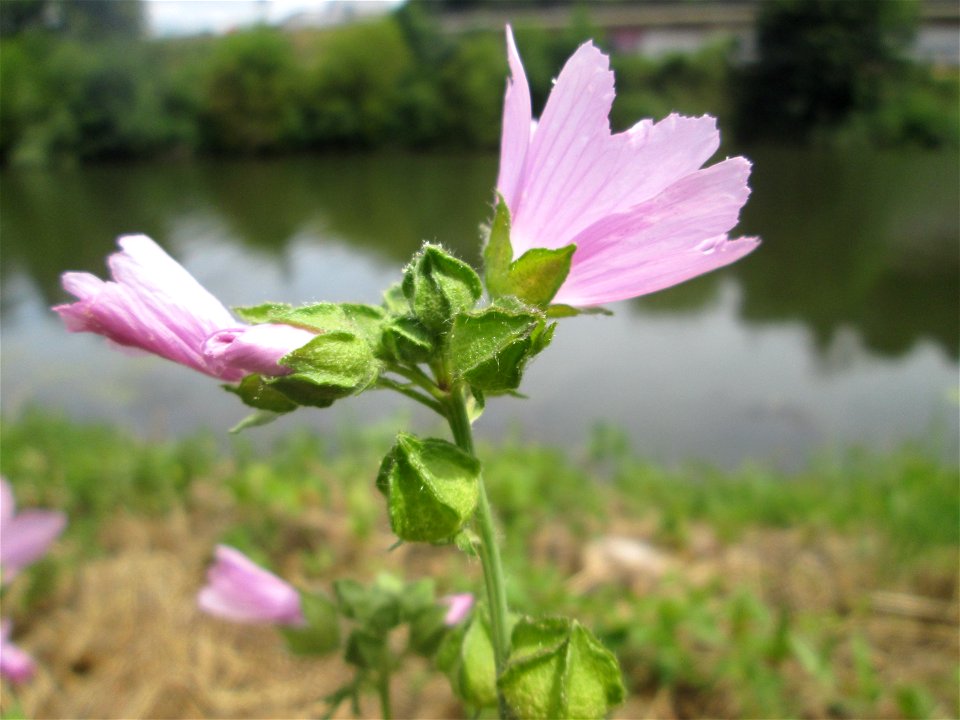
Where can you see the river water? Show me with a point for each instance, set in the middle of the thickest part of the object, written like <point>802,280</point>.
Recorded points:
<point>841,330</point>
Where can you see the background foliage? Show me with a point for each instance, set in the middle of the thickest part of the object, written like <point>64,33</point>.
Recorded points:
<point>78,82</point>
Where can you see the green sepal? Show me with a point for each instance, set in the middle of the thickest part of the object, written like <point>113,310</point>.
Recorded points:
<point>535,277</point>
<point>263,313</point>
<point>325,317</point>
<point>558,669</point>
<point>427,631</point>
<point>407,341</point>
<point>322,632</point>
<point>432,487</point>
<point>365,649</point>
<point>564,311</point>
<point>490,348</point>
<point>376,608</point>
<point>258,418</point>
<point>335,364</point>
<point>438,286</point>
<point>466,657</point>
<point>395,302</point>
<point>256,392</point>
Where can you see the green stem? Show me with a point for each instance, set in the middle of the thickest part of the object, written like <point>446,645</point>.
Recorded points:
<point>383,689</point>
<point>489,550</point>
<point>407,390</point>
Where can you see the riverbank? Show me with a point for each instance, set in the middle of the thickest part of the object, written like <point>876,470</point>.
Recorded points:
<point>830,592</point>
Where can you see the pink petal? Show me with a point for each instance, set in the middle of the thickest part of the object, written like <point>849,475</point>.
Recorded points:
<point>255,349</point>
<point>517,118</point>
<point>677,235</point>
<point>459,605</point>
<point>15,664</point>
<point>238,589</point>
<point>26,537</point>
<point>8,504</point>
<point>571,133</point>
<point>153,304</point>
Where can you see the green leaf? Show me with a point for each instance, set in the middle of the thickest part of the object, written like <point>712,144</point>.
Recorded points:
<point>431,486</point>
<point>376,608</point>
<point>558,669</point>
<point>395,302</point>
<point>427,631</point>
<point>256,392</point>
<point>336,364</point>
<point>322,633</point>
<point>438,286</point>
<point>535,277</point>
<point>489,349</point>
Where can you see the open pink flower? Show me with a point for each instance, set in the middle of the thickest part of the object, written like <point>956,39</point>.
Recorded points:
<point>154,304</point>
<point>24,537</point>
<point>15,665</point>
<point>641,211</point>
<point>238,589</point>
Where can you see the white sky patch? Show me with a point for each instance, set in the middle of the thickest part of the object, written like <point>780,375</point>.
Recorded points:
<point>186,17</point>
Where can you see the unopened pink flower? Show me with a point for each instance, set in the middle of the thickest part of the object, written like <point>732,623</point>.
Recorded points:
<point>255,348</point>
<point>24,537</point>
<point>641,211</point>
<point>154,304</point>
<point>238,589</point>
<point>459,606</point>
<point>15,665</point>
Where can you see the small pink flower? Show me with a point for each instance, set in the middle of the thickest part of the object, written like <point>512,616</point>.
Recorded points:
<point>237,589</point>
<point>154,304</point>
<point>459,606</point>
<point>641,211</point>
<point>24,537</point>
<point>16,665</point>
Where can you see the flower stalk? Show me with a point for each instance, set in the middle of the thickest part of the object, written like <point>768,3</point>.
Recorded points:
<point>489,550</point>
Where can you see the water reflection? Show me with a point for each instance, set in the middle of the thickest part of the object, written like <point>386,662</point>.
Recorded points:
<point>843,326</point>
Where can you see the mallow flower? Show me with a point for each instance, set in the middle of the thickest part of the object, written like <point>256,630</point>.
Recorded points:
<point>642,212</point>
<point>153,304</point>
<point>238,589</point>
<point>25,536</point>
<point>15,665</point>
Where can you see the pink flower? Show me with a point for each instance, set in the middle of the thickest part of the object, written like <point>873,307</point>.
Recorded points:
<point>24,537</point>
<point>255,348</point>
<point>154,304</point>
<point>641,212</point>
<point>459,605</point>
<point>15,664</point>
<point>237,589</point>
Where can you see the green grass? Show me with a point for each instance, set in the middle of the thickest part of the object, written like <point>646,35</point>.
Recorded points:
<point>719,647</point>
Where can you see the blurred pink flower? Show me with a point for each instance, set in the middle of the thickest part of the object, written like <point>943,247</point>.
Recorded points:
<point>237,589</point>
<point>459,606</point>
<point>641,212</point>
<point>24,537</point>
<point>154,304</point>
<point>16,665</point>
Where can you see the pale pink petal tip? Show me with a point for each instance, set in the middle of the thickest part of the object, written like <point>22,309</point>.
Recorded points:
<point>238,589</point>
<point>25,536</point>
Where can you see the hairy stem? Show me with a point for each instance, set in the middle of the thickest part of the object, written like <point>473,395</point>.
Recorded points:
<point>489,549</point>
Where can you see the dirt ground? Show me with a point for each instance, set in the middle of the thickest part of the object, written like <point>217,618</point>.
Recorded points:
<point>122,637</point>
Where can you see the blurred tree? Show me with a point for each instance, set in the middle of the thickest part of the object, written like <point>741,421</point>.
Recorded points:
<point>819,61</point>
<point>94,19</point>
